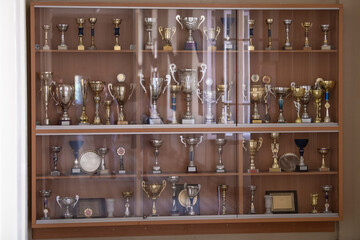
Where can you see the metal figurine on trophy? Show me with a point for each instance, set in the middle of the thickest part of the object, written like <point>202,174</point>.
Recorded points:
<point>314,201</point>
<point>209,97</point>
<point>76,145</point>
<point>92,21</point>
<point>257,93</point>
<point>102,152</point>
<point>211,36</point>
<point>280,93</point>
<point>149,22</point>
<point>121,152</point>
<point>269,21</point>
<point>64,95</point>
<point>167,36</point>
<point>306,26</point>
<point>275,150</point>
<point>317,94</point>
<point>97,87</point>
<point>46,28</point>
<point>220,142</point>
<point>252,197</point>
<point>174,211</point>
<point>327,189</point>
<point>268,203</point>
<point>80,22</point>
<point>117,22</point>
<point>228,22</point>
<point>301,144</point>
<point>192,142</point>
<point>67,202</point>
<point>107,104</point>
<point>156,88</point>
<point>323,151</point>
<point>46,82</point>
<point>62,28</point>
<point>251,34</point>
<point>127,196</point>
<point>153,191</point>
<point>45,194</point>
<point>305,118</point>
<point>254,146</point>
<point>287,45</point>
<point>325,29</point>
<point>84,119</point>
<point>221,194</point>
<point>298,93</point>
<point>55,150</point>
<point>327,85</point>
<point>121,92</point>
<point>156,143</point>
<point>191,24</point>
<point>192,192</point>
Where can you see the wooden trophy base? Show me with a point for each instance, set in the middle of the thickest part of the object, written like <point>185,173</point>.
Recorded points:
<point>275,170</point>
<point>122,122</point>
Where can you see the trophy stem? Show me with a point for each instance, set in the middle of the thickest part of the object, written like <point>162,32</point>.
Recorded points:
<point>305,113</point>
<point>209,116</point>
<point>97,120</point>
<point>298,106</point>
<point>46,45</point>
<point>121,117</point>
<point>107,112</point>
<point>256,114</point>
<point>62,39</point>
<point>127,208</point>
<point>153,210</point>
<point>252,198</point>
<point>224,188</point>
<point>222,118</point>
<point>84,119</point>
<point>188,114</point>
<point>281,118</point>
<point>318,110</point>
<point>174,210</point>
<point>252,162</point>
<point>327,106</point>
<point>173,108</point>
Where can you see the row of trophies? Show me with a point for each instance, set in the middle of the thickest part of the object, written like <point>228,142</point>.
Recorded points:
<point>188,197</point>
<point>302,94</point>
<point>64,95</point>
<point>287,46</point>
<point>167,33</point>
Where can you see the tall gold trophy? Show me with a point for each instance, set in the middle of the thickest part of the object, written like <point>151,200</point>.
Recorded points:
<point>306,26</point>
<point>46,84</point>
<point>80,22</point>
<point>275,150</point>
<point>298,93</point>
<point>253,147</point>
<point>153,191</point>
<point>97,87</point>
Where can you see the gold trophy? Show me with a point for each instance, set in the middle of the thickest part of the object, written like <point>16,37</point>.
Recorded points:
<point>210,35</point>
<point>107,104</point>
<point>46,28</point>
<point>153,191</point>
<point>47,82</point>
<point>127,196</point>
<point>251,34</point>
<point>325,29</point>
<point>222,189</point>
<point>257,93</point>
<point>314,201</point>
<point>92,21</point>
<point>117,22</point>
<point>287,45</point>
<point>327,85</point>
<point>254,146</point>
<point>167,36</point>
<point>62,28</point>
<point>298,93</point>
<point>323,151</point>
<point>306,26</point>
<point>84,119</point>
<point>149,22</point>
<point>252,189</point>
<point>174,89</point>
<point>275,150</point>
<point>317,94</point>
<point>269,21</point>
<point>97,87</point>
<point>80,22</point>
<point>121,92</point>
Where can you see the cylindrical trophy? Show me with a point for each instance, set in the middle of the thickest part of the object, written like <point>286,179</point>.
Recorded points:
<point>325,29</point>
<point>326,189</point>
<point>55,150</point>
<point>314,201</point>
<point>110,206</point>
<point>253,147</point>
<point>174,89</point>
<point>191,24</point>
<point>153,191</point>
<point>107,104</point>
<point>84,119</point>
<point>97,87</point>
<point>156,143</point>
<point>173,180</point>
<point>46,28</point>
<point>317,94</point>
<point>67,202</point>
<point>221,193</point>
<point>220,142</point>
<point>192,142</point>
<point>287,45</point>
<point>80,22</point>
<point>252,197</point>
<point>149,22</point>
<point>117,22</point>
<point>45,194</point>
<point>47,82</point>
<point>268,203</point>
<point>92,21</point>
<point>269,21</point>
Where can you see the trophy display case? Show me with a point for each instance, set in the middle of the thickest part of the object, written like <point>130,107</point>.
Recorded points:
<point>160,118</point>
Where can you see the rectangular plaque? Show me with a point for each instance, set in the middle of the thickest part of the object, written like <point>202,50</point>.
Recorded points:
<point>283,201</point>
<point>90,208</point>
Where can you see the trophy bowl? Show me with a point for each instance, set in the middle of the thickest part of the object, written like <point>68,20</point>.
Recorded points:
<point>127,194</point>
<point>327,84</point>
<point>45,193</point>
<point>153,190</point>
<point>325,27</point>
<point>80,21</point>
<point>220,141</point>
<point>306,25</point>
<point>67,202</point>
<point>301,143</point>
<point>175,88</point>
<point>173,179</point>
<point>156,143</point>
<point>298,92</point>
<point>76,145</point>
<point>62,27</point>
<point>192,192</point>
<point>97,86</point>
<point>117,21</point>
<point>257,93</point>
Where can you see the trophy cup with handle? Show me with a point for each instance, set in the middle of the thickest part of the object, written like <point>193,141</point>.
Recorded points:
<point>62,27</point>
<point>212,35</point>
<point>253,147</point>
<point>192,142</point>
<point>280,93</point>
<point>192,192</point>
<point>167,36</point>
<point>64,96</point>
<point>47,83</point>
<point>228,22</point>
<point>191,24</point>
<point>209,97</point>
<point>45,194</point>
<point>153,191</point>
<point>67,202</point>
<point>149,22</point>
<point>117,22</point>
<point>97,87</point>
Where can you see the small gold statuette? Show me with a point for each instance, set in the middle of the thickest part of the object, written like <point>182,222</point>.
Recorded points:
<point>269,22</point>
<point>275,150</point>
<point>92,21</point>
<point>117,22</point>
<point>325,29</point>
<point>323,151</point>
<point>251,34</point>
<point>253,147</point>
<point>314,201</point>
<point>97,87</point>
<point>266,81</point>
<point>317,95</point>
<point>107,104</point>
<point>149,22</point>
<point>221,192</point>
<point>80,22</point>
<point>62,28</point>
<point>287,45</point>
<point>46,28</point>
<point>306,26</point>
<point>211,35</point>
<point>166,35</point>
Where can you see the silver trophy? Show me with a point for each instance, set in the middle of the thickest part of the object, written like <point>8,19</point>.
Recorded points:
<point>149,22</point>
<point>287,45</point>
<point>173,180</point>
<point>252,193</point>
<point>192,191</point>
<point>326,189</point>
<point>64,96</point>
<point>67,202</point>
<point>220,142</point>
<point>121,152</point>
<point>191,141</point>
<point>156,144</point>
<point>189,83</point>
<point>55,150</point>
<point>156,88</point>
<point>46,84</point>
<point>280,93</point>
<point>305,118</point>
<point>191,24</point>
<point>208,96</point>
<point>268,203</point>
<point>46,28</point>
<point>325,29</point>
<point>62,28</point>
<point>102,152</point>
<point>45,194</point>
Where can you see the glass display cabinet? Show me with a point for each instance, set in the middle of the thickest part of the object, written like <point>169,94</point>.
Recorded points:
<point>164,118</point>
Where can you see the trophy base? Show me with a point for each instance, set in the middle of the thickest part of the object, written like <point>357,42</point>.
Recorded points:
<point>75,171</point>
<point>188,121</point>
<point>210,122</point>
<point>256,121</point>
<point>326,47</point>
<point>211,48</point>
<point>104,172</point>
<point>46,121</point>
<point>307,48</point>
<point>327,211</point>
<point>190,46</point>
<point>45,218</point>
<point>268,48</point>
<point>46,47</point>
<point>191,169</point>
<point>55,173</point>
<point>228,45</point>
<point>275,170</point>
<point>324,169</point>
<point>92,48</point>
<point>84,123</point>
<point>287,48</point>
<point>174,213</point>
<point>64,122</point>
<point>251,48</point>
<point>81,48</point>
<point>117,48</point>
<point>154,215</point>
<point>167,48</point>
<point>62,47</point>
<point>156,171</point>
<point>298,120</point>
<point>220,170</point>
<point>122,122</point>
<point>155,121</point>
<point>306,120</point>
<point>122,172</point>
<point>149,47</point>
<point>253,170</point>
<point>301,168</point>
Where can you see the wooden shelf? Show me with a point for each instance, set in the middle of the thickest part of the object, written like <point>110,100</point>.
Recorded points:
<point>291,173</point>
<point>85,177</point>
<point>200,174</point>
<point>84,51</point>
<point>293,51</point>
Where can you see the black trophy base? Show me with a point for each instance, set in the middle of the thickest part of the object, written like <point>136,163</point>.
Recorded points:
<point>220,170</point>
<point>303,168</point>
<point>191,169</point>
<point>190,46</point>
<point>156,171</point>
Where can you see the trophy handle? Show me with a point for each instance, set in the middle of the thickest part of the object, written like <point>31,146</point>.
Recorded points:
<point>163,187</point>
<point>185,184</point>
<point>205,31</point>
<point>110,89</point>
<point>182,139</point>
<point>218,29</point>
<point>260,141</point>
<point>77,199</point>
<point>201,137</point>
<point>160,31</point>
<point>52,94</point>
<point>178,19</point>
<point>199,185</point>
<point>198,93</point>
<point>243,145</point>
<point>318,82</point>
<point>58,200</point>
<point>172,69</point>
<point>202,19</point>
<point>168,79</point>
<point>141,82</point>
<point>272,92</point>
<point>143,187</point>
<point>220,95</point>
<point>267,90</point>
<point>174,30</point>
<point>132,88</point>
<point>203,71</point>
